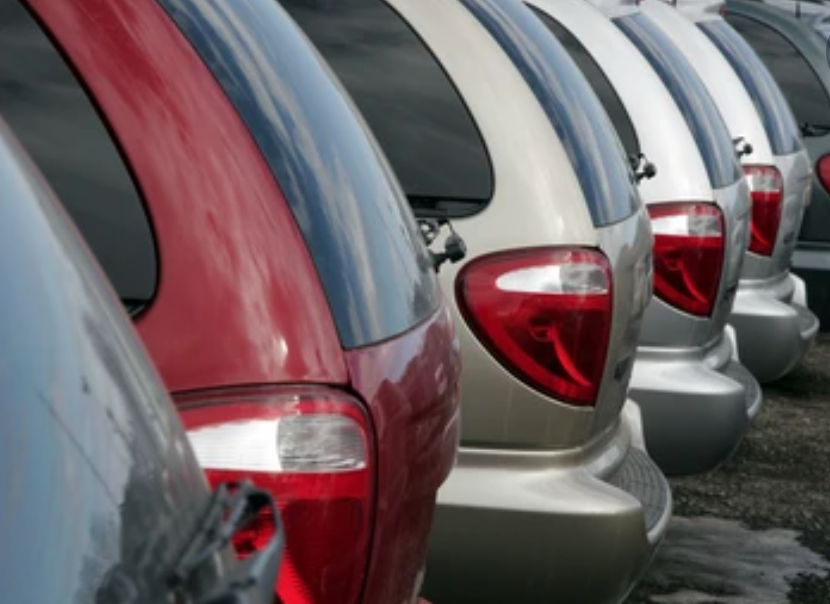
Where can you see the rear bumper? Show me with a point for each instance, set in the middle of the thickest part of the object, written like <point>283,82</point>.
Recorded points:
<point>697,404</point>
<point>774,332</point>
<point>528,526</point>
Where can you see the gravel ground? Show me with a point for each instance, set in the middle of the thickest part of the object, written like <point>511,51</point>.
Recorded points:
<point>757,531</point>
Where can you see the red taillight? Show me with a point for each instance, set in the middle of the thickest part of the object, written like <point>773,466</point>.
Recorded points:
<point>311,448</point>
<point>767,189</point>
<point>688,254</point>
<point>545,314</point>
<point>823,172</point>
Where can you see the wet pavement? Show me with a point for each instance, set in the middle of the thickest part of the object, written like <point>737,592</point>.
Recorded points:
<point>757,531</point>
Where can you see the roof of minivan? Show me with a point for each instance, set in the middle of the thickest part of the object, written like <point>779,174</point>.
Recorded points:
<point>667,140</point>
<point>97,476</point>
<point>724,85</point>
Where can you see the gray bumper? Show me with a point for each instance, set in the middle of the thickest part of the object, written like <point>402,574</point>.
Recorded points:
<point>527,527</point>
<point>774,331</point>
<point>697,405</point>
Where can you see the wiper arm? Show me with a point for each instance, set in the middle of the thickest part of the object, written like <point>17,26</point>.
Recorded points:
<point>454,247</point>
<point>813,130</point>
<point>742,147</point>
<point>641,167</point>
<point>252,580</point>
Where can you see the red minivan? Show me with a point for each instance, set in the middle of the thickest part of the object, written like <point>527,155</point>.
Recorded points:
<point>268,258</point>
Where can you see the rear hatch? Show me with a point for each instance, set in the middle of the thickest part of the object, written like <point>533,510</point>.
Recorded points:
<point>599,161</point>
<point>717,151</point>
<point>101,491</point>
<point>782,130</point>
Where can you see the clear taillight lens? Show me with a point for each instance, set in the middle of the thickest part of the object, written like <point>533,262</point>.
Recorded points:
<point>311,448</point>
<point>545,314</point>
<point>688,254</point>
<point>767,189</point>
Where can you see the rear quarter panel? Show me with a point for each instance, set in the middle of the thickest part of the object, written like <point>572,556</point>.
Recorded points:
<point>411,385</point>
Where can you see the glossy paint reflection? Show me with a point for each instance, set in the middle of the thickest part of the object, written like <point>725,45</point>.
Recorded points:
<point>96,475</point>
<point>353,216</point>
<point>238,300</point>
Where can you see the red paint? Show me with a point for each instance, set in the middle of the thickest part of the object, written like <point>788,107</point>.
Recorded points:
<point>239,302</point>
<point>407,383</point>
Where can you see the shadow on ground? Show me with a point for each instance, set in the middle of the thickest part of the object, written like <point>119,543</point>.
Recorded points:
<point>757,531</point>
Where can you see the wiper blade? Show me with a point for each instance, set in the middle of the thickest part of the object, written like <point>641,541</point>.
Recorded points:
<point>252,580</point>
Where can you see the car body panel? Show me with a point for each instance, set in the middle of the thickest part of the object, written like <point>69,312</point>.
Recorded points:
<point>586,544</point>
<point>191,191</point>
<point>671,342</point>
<point>209,187</point>
<point>414,462</point>
<point>86,422</point>
<point>771,304</point>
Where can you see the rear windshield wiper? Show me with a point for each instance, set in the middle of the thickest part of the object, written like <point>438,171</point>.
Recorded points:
<point>431,220</point>
<point>809,129</point>
<point>742,147</point>
<point>252,580</point>
<point>641,166</point>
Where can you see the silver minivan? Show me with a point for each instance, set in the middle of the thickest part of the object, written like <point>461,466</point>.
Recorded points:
<point>774,326</point>
<point>488,123</point>
<point>697,399</point>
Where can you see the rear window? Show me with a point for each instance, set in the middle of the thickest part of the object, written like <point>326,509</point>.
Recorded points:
<point>770,103</point>
<point>571,106</point>
<point>52,116</point>
<point>798,81</point>
<point>355,220</point>
<point>690,94</point>
<point>408,100</point>
<point>599,82</point>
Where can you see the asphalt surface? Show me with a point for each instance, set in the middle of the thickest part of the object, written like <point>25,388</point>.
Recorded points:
<point>757,530</point>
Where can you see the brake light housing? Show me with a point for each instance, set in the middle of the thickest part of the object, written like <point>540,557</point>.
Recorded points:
<point>823,172</point>
<point>766,187</point>
<point>689,249</point>
<point>545,314</point>
<point>313,449</point>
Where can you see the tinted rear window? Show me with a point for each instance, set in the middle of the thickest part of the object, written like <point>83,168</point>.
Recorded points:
<point>690,94</point>
<point>770,103</point>
<point>599,82</point>
<point>358,227</point>
<point>571,106</point>
<point>50,113</point>
<point>804,91</point>
<point>406,97</point>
